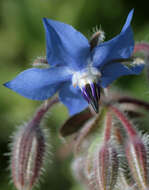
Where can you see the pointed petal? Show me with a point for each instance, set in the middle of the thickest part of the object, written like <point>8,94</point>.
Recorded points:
<point>65,45</point>
<point>128,20</point>
<point>72,98</point>
<point>113,71</point>
<point>119,47</point>
<point>39,84</point>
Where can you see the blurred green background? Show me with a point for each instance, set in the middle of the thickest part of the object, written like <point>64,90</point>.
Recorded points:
<point>22,40</point>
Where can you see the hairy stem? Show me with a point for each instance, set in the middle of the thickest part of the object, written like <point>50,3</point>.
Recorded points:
<point>128,126</point>
<point>44,108</point>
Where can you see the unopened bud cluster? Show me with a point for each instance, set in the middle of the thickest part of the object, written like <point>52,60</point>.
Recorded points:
<point>112,153</point>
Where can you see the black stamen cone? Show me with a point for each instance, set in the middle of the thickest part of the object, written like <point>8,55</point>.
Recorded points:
<point>92,94</point>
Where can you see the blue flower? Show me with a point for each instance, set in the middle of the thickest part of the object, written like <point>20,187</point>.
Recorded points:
<point>75,68</point>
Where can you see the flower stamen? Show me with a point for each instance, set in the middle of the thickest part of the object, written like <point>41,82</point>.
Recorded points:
<point>88,81</point>
<point>91,92</point>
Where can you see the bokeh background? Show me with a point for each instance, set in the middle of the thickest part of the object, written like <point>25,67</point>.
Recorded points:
<point>22,39</point>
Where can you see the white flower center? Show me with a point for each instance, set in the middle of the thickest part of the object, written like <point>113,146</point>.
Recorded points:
<point>87,76</point>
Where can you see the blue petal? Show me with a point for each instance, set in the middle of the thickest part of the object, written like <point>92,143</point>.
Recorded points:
<point>65,45</point>
<point>39,84</point>
<point>128,20</point>
<point>113,71</point>
<point>119,47</point>
<point>72,98</point>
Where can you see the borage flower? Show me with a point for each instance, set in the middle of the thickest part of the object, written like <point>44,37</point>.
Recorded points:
<point>76,68</point>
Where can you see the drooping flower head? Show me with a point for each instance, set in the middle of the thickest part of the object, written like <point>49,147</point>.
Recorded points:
<point>77,70</point>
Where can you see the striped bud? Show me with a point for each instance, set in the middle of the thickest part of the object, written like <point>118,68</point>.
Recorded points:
<point>28,152</point>
<point>106,167</point>
<point>137,159</point>
<point>29,149</point>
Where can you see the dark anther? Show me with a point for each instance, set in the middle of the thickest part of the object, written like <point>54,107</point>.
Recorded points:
<point>91,93</point>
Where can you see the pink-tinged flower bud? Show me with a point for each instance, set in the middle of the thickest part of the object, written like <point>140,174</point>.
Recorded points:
<point>29,150</point>
<point>27,157</point>
<point>136,154</point>
<point>106,166</point>
<point>28,153</point>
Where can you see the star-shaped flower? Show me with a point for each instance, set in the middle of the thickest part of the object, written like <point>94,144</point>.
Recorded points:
<point>75,68</point>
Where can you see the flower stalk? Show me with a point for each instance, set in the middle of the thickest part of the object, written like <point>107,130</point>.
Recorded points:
<point>129,128</point>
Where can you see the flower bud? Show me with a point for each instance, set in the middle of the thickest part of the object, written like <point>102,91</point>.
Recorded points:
<point>28,152</point>
<point>106,167</point>
<point>29,149</point>
<point>137,159</point>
